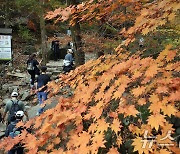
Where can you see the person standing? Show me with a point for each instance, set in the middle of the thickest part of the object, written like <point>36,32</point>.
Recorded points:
<point>68,61</point>
<point>41,86</point>
<point>12,106</point>
<point>32,68</point>
<point>13,131</point>
<point>55,48</point>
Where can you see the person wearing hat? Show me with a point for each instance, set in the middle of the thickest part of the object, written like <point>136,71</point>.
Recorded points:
<point>15,119</point>
<point>12,106</point>
<point>68,61</point>
<point>13,132</point>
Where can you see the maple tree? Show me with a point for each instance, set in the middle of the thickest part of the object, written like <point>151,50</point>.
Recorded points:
<point>117,99</point>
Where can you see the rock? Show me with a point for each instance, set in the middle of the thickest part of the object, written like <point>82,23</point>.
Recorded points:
<point>18,71</point>
<point>32,111</point>
<point>9,88</point>
<point>2,129</point>
<point>25,95</point>
<point>5,87</point>
<point>26,79</point>
<point>16,74</point>
<point>13,88</point>
<point>51,69</point>
<point>27,107</point>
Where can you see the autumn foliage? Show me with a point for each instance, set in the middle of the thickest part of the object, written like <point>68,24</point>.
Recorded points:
<point>121,96</point>
<point>117,101</point>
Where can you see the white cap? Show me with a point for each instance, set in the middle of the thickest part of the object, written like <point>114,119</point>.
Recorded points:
<point>19,113</point>
<point>14,94</point>
<point>70,50</point>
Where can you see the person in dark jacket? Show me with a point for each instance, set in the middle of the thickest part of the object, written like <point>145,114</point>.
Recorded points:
<point>55,48</point>
<point>41,87</point>
<point>17,149</point>
<point>32,68</point>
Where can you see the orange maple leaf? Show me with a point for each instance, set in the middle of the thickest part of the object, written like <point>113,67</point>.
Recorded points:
<point>168,110</point>
<point>156,120</point>
<point>97,141</point>
<point>174,96</point>
<point>138,91</point>
<point>162,89</point>
<point>119,141</point>
<point>163,151</point>
<point>95,112</point>
<point>116,125</point>
<point>113,151</point>
<point>142,101</point>
<point>155,107</point>
<point>137,74</point>
<point>118,93</point>
<point>92,128</point>
<point>102,125</point>
<point>151,71</point>
<point>154,98</point>
<point>170,55</point>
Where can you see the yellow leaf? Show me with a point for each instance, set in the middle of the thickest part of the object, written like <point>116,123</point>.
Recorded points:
<point>156,120</point>
<point>119,141</point>
<point>138,146</point>
<point>116,126</point>
<point>155,107</point>
<point>169,110</point>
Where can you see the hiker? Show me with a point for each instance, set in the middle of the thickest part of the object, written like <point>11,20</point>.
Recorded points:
<point>68,61</point>
<point>55,48</point>
<point>41,87</point>
<point>32,68</point>
<point>12,131</point>
<point>12,106</point>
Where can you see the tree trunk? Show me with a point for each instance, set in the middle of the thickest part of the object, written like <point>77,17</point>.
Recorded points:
<point>43,33</point>
<point>79,54</point>
<point>76,37</point>
<point>6,21</point>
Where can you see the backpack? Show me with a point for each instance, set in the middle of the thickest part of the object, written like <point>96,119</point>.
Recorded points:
<point>14,108</point>
<point>66,62</point>
<point>16,131</point>
<point>30,66</point>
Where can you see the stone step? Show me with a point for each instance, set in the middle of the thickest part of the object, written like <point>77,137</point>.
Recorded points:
<point>53,69</point>
<point>55,63</point>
